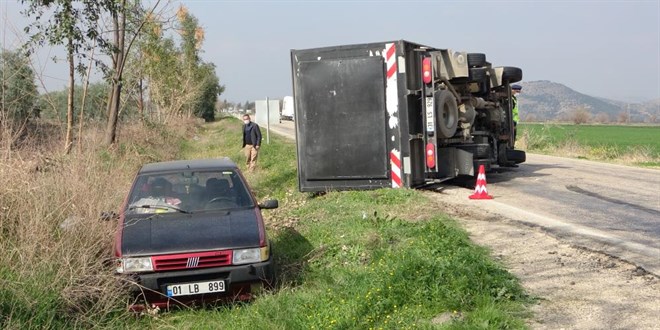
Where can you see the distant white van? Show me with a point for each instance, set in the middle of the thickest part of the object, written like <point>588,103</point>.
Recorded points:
<point>287,108</point>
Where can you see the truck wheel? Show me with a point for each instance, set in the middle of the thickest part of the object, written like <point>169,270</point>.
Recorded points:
<point>476,59</point>
<point>516,156</point>
<point>511,74</point>
<point>446,114</point>
<point>477,74</point>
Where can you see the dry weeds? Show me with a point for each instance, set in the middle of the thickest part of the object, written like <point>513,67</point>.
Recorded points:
<point>57,263</point>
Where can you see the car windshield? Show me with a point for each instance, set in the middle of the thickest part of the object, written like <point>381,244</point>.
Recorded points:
<point>188,192</point>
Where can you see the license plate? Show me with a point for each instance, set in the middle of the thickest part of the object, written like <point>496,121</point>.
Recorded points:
<point>430,121</point>
<point>186,289</point>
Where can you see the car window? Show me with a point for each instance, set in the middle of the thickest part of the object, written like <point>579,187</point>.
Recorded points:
<point>188,191</point>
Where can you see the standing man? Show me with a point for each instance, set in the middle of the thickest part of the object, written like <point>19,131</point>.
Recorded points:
<point>251,141</point>
<point>515,90</point>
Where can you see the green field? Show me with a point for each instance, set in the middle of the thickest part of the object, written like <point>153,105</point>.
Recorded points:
<point>632,145</point>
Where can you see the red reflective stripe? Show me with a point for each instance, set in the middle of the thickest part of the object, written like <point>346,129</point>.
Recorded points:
<point>391,71</point>
<point>395,160</point>
<point>396,179</point>
<point>390,52</point>
<point>396,169</point>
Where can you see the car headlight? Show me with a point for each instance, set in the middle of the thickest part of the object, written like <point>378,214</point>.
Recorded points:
<point>246,256</point>
<point>135,265</point>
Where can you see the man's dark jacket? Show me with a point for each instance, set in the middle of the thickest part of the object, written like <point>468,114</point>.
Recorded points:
<point>253,134</point>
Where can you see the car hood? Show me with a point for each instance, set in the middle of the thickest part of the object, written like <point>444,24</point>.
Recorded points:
<point>168,233</point>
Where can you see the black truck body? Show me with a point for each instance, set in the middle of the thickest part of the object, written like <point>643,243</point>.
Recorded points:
<point>398,114</point>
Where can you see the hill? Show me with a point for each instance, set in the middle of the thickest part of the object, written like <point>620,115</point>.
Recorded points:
<point>545,100</point>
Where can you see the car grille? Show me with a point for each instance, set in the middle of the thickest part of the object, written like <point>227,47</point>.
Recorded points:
<point>192,260</point>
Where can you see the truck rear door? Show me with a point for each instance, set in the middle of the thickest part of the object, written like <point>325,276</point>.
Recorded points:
<point>340,118</point>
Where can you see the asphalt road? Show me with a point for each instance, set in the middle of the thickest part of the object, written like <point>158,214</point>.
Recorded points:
<point>610,208</point>
<point>603,207</point>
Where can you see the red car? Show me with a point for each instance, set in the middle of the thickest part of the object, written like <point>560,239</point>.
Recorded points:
<point>191,231</point>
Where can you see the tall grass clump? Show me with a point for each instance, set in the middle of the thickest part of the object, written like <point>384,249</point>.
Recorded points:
<point>56,269</point>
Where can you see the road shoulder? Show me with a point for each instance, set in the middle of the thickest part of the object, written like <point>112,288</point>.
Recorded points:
<point>576,288</point>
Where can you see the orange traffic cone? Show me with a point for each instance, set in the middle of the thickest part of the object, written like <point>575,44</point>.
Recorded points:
<point>480,191</point>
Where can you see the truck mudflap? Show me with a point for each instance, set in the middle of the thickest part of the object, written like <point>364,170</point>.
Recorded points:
<point>453,162</point>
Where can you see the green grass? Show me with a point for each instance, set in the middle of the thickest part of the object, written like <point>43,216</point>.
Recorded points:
<point>356,260</point>
<point>634,145</point>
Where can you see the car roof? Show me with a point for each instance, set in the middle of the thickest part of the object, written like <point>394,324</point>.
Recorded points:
<point>189,164</point>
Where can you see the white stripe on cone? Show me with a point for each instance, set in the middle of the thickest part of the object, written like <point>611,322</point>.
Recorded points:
<point>480,191</point>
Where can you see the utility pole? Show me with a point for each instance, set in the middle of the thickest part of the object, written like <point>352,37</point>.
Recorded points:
<point>267,120</point>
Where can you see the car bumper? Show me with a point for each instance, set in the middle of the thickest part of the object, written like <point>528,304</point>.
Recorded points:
<point>241,282</point>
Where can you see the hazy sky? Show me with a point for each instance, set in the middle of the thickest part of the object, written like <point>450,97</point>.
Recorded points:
<point>607,49</point>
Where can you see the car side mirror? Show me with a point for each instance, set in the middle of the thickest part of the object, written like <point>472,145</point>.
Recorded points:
<point>269,204</point>
<point>109,215</point>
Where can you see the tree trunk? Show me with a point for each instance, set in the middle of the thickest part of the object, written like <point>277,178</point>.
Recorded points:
<point>69,111</point>
<point>81,118</point>
<point>140,100</point>
<point>119,21</point>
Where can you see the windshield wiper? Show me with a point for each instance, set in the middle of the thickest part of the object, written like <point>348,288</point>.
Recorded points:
<point>159,207</point>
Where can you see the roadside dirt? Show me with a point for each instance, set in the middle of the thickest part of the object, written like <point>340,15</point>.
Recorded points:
<point>576,288</point>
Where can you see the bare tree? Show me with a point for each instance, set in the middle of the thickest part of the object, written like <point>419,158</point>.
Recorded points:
<point>580,116</point>
<point>602,118</point>
<point>623,117</point>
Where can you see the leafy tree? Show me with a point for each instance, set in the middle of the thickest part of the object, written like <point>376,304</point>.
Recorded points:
<point>74,25</point>
<point>18,92</point>
<point>192,37</point>
<point>18,95</point>
<point>54,104</point>
<point>179,83</point>
<point>170,86</point>
<point>211,89</point>
<point>249,105</point>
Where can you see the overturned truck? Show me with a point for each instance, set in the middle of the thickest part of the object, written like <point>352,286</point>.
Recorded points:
<point>399,114</point>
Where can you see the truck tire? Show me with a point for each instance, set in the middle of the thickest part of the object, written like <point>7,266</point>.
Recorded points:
<point>516,156</point>
<point>477,74</point>
<point>511,74</point>
<point>476,60</point>
<point>446,114</point>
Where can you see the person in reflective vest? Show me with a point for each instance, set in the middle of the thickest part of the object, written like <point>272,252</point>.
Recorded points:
<point>515,90</point>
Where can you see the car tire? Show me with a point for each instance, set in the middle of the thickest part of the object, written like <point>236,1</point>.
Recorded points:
<point>476,59</point>
<point>446,114</point>
<point>511,74</point>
